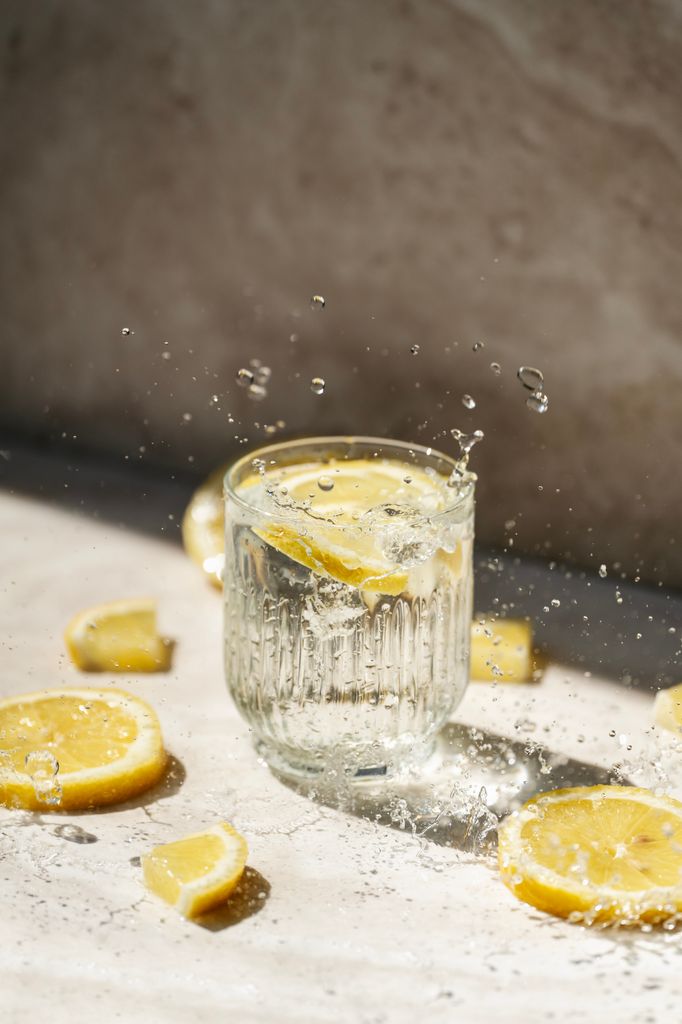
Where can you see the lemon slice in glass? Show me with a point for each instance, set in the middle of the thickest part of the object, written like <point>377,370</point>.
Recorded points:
<point>119,636</point>
<point>597,853</point>
<point>69,749</point>
<point>197,873</point>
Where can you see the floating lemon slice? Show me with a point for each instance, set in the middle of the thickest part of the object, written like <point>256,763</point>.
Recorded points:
<point>501,650</point>
<point>668,708</point>
<point>76,748</point>
<point>599,853</point>
<point>203,526</point>
<point>348,504</point>
<point>119,636</point>
<point>199,872</point>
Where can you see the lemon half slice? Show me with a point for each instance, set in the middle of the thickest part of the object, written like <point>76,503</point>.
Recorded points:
<point>602,853</point>
<point>119,636</point>
<point>668,708</point>
<point>501,650</point>
<point>203,526</point>
<point>76,748</point>
<point>197,873</point>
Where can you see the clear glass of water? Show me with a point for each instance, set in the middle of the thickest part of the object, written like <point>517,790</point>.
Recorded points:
<point>347,590</point>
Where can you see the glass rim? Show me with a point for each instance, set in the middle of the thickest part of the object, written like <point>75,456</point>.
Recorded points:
<point>466,493</point>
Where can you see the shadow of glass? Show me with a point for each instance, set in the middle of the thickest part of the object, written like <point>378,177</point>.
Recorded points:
<point>458,796</point>
<point>248,899</point>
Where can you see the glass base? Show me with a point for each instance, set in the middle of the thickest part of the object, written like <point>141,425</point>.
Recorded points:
<point>356,766</point>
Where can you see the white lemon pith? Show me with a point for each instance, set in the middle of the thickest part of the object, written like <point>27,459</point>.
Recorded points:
<point>118,636</point>
<point>199,872</point>
<point>602,853</point>
<point>104,746</point>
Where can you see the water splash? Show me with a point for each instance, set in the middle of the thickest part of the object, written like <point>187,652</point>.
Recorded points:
<point>415,349</point>
<point>468,402</point>
<point>43,767</point>
<point>317,302</point>
<point>537,402</point>
<point>244,378</point>
<point>126,331</point>
<point>317,385</point>
<point>531,378</point>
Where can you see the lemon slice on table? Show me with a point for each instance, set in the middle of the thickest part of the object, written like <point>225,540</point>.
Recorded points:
<point>347,503</point>
<point>203,526</point>
<point>119,636</point>
<point>668,708</point>
<point>501,650</point>
<point>70,749</point>
<point>197,873</point>
<point>602,853</point>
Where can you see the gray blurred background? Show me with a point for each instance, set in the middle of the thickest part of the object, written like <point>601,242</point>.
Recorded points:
<point>444,173</point>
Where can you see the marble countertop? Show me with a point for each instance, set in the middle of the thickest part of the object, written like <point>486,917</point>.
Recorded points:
<point>340,918</point>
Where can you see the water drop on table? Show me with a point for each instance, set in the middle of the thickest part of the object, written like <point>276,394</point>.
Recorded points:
<point>317,385</point>
<point>244,378</point>
<point>468,402</point>
<point>74,834</point>
<point>325,483</point>
<point>537,402</point>
<point>496,368</point>
<point>317,302</point>
<point>415,349</point>
<point>530,377</point>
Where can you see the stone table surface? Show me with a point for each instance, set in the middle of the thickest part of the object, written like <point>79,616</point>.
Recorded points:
<point>341,918</point>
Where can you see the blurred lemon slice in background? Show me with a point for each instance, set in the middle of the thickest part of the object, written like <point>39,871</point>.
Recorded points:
<point>501,650</point>
<point>119,636</point>
<point>197,873</point>
<point>203,526</point>
<point>69,749</point>
<point>668,708</point>
<point>596,853</point>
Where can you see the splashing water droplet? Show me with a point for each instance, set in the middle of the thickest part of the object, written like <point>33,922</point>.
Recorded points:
<point>530,377</point>
<point>317,385</point>
<point>415,349</point>
<point>318,302</point>
<point>259,466</point>
<point>74,834</point>
<point>187,417</point>
<point>496,368</point>
<point>466,442</point>
<point>125,331</point>
<point>407,479</point>
<point>262,375</point>
<point>477,346</point>
<point>555,602</point>
<point>43,768</point>
<point>537,402</point>
<point>244,378</point>
<point>603,571</point>
<point>325,483</point>
<point>468,402</point>
<point>256,392</point>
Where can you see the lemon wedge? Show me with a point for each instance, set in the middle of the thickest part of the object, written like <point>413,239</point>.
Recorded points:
<point>203,526</point>
<point>347,505</point>
<point>501,650</point>
<point>668,708</point>
<point>119,636</point>
<point>197,873</point>
<point>75,748</point>
<point>602,853</point>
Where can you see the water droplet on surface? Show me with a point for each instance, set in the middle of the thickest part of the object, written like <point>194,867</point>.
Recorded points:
<point>325,483</point>
<point>496,368</point>
<point>244,378</point>
<point>415,349</point>
<point>468,402</point>
<point>317,385</point>
<point>538,402</point>
<point>317,302</point>
<point>256,392</point>
<point>603,572</point>
<point>125,331</point>
<point>135,861</point>
<point>530,377</point>
<point>74,834</point>
<point>477,346</point>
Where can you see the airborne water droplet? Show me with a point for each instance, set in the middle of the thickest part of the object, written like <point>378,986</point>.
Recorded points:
<point>603,571</point>
<point>325,483</point>
<point>317,385</point>
<point>256,392</point>
<point>537,402</point>
<point>468,402</point>
<point>477,346</point>
<point>244,378</point>
<point>415,349</point>
<point>125,331</point>
<point>555,602</point>
<point>530,377</point>
<point>496,368</point>
<point>317,302</point>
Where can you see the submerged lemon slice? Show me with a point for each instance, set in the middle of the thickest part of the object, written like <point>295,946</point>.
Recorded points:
<point>119,636</point>
<point>501,650</point>
<point>197,873</point>
<point>203,526</point>
<point>76,748</point>
<point>600,853</point>
<point>668,708</point>
<point>346,507</point>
